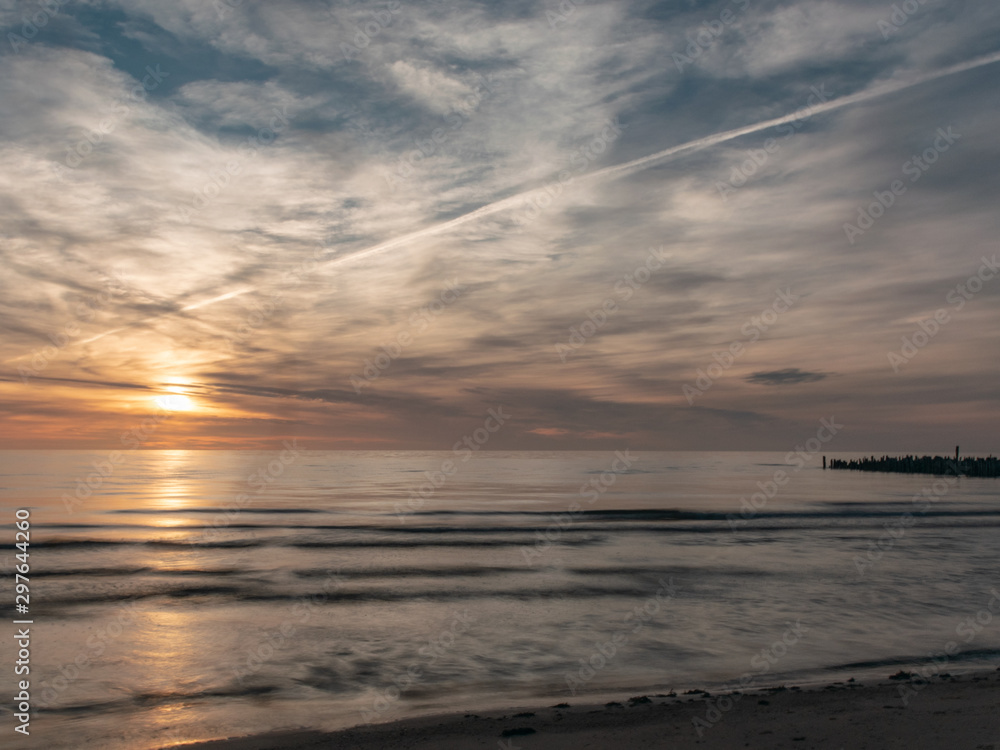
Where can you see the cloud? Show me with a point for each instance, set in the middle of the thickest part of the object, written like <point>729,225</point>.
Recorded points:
<point>549,431</point>
<point>432,88</point>
<point>788,376</point>
<point>267,268</point>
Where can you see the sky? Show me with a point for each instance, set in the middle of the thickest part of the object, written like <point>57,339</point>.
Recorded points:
<point>683,225</point>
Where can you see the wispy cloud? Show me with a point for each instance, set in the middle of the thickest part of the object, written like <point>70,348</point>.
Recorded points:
<point>788,376</point>
<point>137,139</point>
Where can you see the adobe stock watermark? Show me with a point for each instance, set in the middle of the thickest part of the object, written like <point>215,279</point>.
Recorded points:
<point>915,167</point>
<point>259,481</point>
<point>968,629</point>
<point>561,14</point>
<point>224,7</point>
<point>757,158</point>
<point>725,359</point>
<point>304,608</point>
<point>899,17</point>
<point>33,24</point>
<point>896,530</point>
<point>367,31</point>
<point>97,643</point>
<point>633,621</point>
<point>82,149</point>
<point>434,649</point>
<point>590,491</point>
<point>259,314</point>
<point>707,34</point>
<point>115,285</point>
<point>797,459</point>
<point>928,328</point>
<point>262,313</point>
<point>536,202</point>
<point>761,663</point>
<point>462,449</point>
<point>625,288</point>
<point>454,121</point>
<point>419,320</point>
<point>220,178</point>
<point>103,470</point>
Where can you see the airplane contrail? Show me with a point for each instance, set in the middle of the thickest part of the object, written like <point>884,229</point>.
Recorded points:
<point>195,306</point>
<point>622,170</point>
<point>884,89</point>
<point>220,298</point>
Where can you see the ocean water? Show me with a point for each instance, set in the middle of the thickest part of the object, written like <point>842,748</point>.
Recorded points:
<point>199,594</point>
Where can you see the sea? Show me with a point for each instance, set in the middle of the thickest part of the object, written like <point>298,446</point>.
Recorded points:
<point>185,595</point>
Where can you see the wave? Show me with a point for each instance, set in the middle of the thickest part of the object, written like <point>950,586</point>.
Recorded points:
<point>363,537</point>
<point>210,509</point>
<point>70,543</point>
<point>851,510</point>
<point>896,661</point>
<point>122,572</point>
<point>154,699</point>
<point>452,572</point>
<point>252,594</point>
<point>302,544</point>
<point>391,573</point>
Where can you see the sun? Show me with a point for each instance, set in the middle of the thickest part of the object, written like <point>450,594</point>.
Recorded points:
<point>175,400</point>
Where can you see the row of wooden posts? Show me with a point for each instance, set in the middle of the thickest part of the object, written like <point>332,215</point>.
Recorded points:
<point>968,466</point>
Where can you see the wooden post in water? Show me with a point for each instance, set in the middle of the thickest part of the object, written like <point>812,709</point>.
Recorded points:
<point>956,454</point>
<point>824,462</point>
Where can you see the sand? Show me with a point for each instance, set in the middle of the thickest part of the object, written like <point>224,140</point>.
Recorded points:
<point>956,713</point>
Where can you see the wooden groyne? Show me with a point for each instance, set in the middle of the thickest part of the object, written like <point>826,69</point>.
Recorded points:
<point>941,465</point>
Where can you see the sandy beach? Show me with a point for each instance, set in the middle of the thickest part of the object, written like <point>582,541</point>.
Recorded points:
<point>898,712</point>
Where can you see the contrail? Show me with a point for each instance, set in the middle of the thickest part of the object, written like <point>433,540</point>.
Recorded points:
<point>890,87</point>
<point>622,170</point>
<point>220,298</point>
<point>195,306</point>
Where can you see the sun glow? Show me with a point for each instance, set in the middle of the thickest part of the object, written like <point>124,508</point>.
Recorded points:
<point>175,399</point>
<point>175,402</point>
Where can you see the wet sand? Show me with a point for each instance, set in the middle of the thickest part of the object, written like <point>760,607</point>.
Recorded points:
<point>898,712</point>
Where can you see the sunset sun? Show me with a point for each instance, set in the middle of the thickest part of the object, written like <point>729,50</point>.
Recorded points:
<point>175,402</point>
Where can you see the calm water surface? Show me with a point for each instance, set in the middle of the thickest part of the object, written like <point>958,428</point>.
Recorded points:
<point>199,594</point>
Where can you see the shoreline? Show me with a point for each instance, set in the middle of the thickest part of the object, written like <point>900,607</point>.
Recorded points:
<point>901,710</point>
